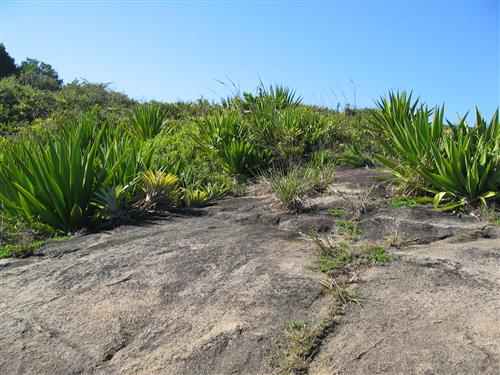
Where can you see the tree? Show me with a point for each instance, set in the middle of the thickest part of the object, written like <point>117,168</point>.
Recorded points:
<point>39,75</point>
<point>7,64</point>
<point>22,104</point>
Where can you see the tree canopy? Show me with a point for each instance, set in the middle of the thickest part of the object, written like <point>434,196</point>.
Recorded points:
<point>7,65</point>
<point>39,74</point>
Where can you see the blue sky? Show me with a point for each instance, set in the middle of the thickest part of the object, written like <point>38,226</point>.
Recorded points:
<point>168,50</point>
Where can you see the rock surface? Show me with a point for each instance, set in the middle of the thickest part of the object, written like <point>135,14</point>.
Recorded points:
<point>209,293</point>
<point>434,310</point>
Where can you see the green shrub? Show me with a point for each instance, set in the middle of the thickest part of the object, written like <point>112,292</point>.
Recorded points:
<point>81,96</point>
<point>22,104</point>
<point>453,161</point>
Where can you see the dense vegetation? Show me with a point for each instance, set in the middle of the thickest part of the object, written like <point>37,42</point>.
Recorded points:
<point>79,155</point>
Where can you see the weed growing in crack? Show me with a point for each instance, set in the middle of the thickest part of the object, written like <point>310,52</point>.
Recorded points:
<point>340,261</point>
<point>301,343</point>
<point>398,240</point>
<point>340,291</point>
<point>291,355</point>
<point>348,227</point>
<point>341,258</point>
<point>357,203</point>
<point>466,235</point>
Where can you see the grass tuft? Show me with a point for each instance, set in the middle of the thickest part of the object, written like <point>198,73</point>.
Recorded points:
<point>333,257</point>
<point>292,188</point>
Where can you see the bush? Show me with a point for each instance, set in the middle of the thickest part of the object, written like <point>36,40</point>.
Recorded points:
<point>22,104</point>
<point>81,96</point>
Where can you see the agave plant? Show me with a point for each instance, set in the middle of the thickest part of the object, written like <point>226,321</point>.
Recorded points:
<point>220,128</point>
<point>65,182</point>
<point>52,184</point>
<point>124,156</point>
<point>454,162</point>
<point>148,120</point>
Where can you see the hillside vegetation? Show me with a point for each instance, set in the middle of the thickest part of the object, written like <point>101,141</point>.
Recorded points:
<point>79,155</point>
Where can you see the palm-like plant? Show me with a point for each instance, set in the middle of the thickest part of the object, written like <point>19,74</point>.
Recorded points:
<point>112,204</point>
<point>124,156</point>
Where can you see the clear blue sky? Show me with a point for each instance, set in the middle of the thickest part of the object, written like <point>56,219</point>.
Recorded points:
<point>443,50</point>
